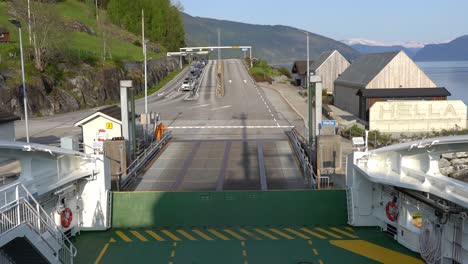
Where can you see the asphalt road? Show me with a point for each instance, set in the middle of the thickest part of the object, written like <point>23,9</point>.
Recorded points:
<point>235,142</point>
<point>245,110</point>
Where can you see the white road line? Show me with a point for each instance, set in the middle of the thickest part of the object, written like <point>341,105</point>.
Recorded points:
<point>226,127</point>
<point>199,106</point>
<point>226,106</point>
<point>274,119</point>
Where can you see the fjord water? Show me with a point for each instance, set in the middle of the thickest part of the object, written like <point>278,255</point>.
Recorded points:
<point>452,75</point>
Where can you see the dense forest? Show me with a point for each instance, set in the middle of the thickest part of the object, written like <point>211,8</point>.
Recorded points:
<point>163,23</point>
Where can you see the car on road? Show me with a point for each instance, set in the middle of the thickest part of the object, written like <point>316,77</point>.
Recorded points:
<point>187,85</point>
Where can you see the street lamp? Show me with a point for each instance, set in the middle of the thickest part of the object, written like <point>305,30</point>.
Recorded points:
<point>144,42</point>
<point>25,97</point>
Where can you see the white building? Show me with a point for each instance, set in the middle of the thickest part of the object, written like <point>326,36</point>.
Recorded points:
<point>7,125</point>
<point>102,125</point>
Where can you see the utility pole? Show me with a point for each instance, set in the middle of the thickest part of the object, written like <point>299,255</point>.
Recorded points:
<point>219,45</point>
<point>25,96</point>
<point>29,22</point>
<point>97,12</point>
<point>309,95</point>
<point>144,55</point>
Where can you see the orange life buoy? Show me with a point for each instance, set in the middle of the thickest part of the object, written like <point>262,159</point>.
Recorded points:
<point>66,217</point>
<point>392,211</point>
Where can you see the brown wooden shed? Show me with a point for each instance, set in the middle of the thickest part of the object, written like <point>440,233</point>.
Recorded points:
<point>4,34</point>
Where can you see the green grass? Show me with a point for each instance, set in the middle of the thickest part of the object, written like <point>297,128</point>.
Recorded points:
<point>77,43</point>
<point>74,10</point>
<point>161,84</point>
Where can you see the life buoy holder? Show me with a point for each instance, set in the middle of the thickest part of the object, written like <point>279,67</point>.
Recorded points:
<point>66,217</point>
<point>391,210</point>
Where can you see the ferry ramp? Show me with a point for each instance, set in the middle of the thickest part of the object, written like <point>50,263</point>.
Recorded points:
<point>223,164</point>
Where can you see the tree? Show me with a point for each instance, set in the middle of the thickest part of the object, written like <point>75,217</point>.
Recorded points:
<point>46,29</point>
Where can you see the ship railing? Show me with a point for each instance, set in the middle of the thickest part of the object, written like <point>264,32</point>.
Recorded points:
<point>141,160</point>
<point>304,159</point>
<point>18,207</point>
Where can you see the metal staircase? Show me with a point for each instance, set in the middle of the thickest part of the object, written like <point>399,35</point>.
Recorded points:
<point>21,216</point>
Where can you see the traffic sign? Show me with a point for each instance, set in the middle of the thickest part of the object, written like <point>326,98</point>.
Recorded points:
<point>328,123</point>
<point>244,49</point>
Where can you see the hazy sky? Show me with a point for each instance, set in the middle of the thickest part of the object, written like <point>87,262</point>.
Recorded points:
<point>385,20</point>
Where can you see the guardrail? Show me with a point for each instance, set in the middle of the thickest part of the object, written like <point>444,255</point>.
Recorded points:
<point>306,165</point>
<point>19,207</point>
<point>141,160</point>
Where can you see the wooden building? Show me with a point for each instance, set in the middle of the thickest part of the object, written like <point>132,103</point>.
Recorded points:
<point>383,77</point>
<point>330,65</point>
<point>4,34</point>
<point>299,71</point>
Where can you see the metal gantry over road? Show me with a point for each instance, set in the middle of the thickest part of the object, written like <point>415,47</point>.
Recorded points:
<point>205,50</point>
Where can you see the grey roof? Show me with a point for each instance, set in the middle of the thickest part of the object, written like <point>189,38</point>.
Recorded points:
<point>113,111</point>
<point>7,117</point>
<point>365,68</point>
<point>300,67</point>
<point>323,57</point>
<point>403,92</point>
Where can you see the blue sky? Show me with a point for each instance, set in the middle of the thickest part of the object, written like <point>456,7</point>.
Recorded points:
<point>385,20</point>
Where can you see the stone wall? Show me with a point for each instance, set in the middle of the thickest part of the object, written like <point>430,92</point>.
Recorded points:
<point>455,165</point>
<point>82,86</point>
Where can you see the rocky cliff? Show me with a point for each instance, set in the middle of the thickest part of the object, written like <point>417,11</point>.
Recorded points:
<point>75,87</point>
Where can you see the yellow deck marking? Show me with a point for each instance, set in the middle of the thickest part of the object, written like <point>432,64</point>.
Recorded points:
<point>216,233</point>
<point>327,232</point>
<point>375,252</point>
<point>139,236</point>
<point>349,228</point>
<point>155,236</point>
<point>250,234</point>
<point>246,262</point>
<point>185,234</point>
<point>320,261</point>
<point>243,243</point>
<point>169,234</point>
<point>172,253</point>
<point>101,254</point>
<point>281,233</point>
<point>203,235</point>
<point>297,233</point>
<point>174,244</point>
<point>123,236</point>
<point>312,233</point>
<point>112,240</point>
<point>315,251</point>
<point>244,253</point>
<point>343,232</point>
<point>270,236</point>
<point>234,234</point>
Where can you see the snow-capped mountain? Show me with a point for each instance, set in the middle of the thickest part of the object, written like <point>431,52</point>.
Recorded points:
<point>367,42</point>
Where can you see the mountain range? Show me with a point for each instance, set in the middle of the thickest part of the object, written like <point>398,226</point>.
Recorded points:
<point>455,50</point>
<point>279,45</point>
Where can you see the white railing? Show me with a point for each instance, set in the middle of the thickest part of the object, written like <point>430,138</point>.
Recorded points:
<point>142,159</point>
<point>18,207</point>
<point>306,165</point>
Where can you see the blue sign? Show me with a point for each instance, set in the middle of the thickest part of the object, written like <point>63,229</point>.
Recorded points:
<point>328,123</point>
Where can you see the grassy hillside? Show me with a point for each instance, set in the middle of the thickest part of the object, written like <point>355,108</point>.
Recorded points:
<point>120,43</point>
<point>279,45</point>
